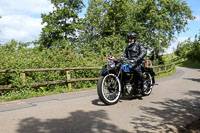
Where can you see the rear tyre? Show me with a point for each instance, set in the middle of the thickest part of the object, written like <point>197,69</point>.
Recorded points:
<point>109,89</point>
<point>148,84</point>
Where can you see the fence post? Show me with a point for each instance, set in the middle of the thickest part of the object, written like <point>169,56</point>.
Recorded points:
<point>23,77</point>
<point>68,78</point>
<point>159,70</point>
<point>165,68</point>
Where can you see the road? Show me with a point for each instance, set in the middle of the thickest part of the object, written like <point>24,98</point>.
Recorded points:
<point>174,102</point>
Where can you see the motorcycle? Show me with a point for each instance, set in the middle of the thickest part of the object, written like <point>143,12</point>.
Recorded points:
<point>118,80</point>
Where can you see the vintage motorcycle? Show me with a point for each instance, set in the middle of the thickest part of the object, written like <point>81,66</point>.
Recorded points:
<point>118,80</point>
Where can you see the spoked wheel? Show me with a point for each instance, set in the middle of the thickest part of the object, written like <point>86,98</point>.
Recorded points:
<point>148,84</point>
<point>109,89</point>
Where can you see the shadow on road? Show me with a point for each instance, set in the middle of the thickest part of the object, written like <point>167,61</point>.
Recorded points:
<point>138,97</point>
<point>171,113</point>
<point>77,122</point>
<point>193,79</point>
<point>98,102</point>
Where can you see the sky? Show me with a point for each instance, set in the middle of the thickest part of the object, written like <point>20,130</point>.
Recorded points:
<point>21,20</point>
<point>192,28</point>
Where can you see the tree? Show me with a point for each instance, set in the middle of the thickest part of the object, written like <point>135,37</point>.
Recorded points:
<point>193,53</point>
<point>105,25</point>
<point>189,49</point>
<point>158,20</point>
<point>183,48</point>
<point>61,24</point>
<point>155,21</point>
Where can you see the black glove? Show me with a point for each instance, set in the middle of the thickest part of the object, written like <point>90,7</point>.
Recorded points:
<point>132,63</point>
<point>138,59</point>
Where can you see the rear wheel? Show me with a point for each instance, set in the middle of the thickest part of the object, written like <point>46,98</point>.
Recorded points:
<point>148,84</point>
<point>109,89</point>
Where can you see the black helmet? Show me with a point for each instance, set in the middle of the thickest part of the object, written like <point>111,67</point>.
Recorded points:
<point>132,35</point>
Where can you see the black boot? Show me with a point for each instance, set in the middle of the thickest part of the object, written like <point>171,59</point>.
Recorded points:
<point>142,84</point>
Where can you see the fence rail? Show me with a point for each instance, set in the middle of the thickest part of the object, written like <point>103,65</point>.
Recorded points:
<point>50,69</point>
<point>158,69</point>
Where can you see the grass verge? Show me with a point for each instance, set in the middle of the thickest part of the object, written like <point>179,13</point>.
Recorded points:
<point>190,64</point>
<point>41,91</point>
<point>165,74</point>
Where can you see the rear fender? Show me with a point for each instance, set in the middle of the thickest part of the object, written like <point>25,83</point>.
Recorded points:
<point>151,71</point>
<point>153,74</point>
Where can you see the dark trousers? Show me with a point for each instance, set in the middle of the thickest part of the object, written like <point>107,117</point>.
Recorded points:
<point>137,70</point>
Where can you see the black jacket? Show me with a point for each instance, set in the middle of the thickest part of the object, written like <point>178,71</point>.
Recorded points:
<point>135,51</point>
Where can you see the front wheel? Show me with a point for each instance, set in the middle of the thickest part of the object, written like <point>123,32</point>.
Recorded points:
<point>109,89</point>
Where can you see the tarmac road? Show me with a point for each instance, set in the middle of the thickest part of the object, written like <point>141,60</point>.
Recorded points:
<point>174,102</point>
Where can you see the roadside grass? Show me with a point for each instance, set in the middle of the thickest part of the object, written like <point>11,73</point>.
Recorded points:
<point>190,64</point>
<point>165,74</point>
<point>25,93</point>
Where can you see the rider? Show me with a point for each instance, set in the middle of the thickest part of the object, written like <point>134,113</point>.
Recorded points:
<point>135,52</point>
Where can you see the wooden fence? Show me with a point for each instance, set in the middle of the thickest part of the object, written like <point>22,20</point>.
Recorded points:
<point>158,69</point>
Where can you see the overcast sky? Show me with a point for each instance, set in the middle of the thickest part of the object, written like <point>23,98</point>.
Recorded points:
<point>21,20</point>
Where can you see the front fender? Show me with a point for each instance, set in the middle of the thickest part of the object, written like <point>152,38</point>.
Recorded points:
<point>104,72</point>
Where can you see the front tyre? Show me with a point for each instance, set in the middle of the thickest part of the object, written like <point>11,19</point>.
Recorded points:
<point>109,89</point>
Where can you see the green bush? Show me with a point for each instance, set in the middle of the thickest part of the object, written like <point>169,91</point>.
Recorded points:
<point>19,56</point>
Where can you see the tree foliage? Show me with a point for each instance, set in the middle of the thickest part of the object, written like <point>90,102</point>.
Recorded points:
<point>155,21</point>
<point>105,25</point>
<point>160,20</point>
<point>189,49</point>
<point>18,55</point>
<point>61,24</point>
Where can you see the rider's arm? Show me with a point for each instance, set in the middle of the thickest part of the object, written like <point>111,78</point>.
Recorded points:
<point>143,52</point>
<point>126,53</point>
